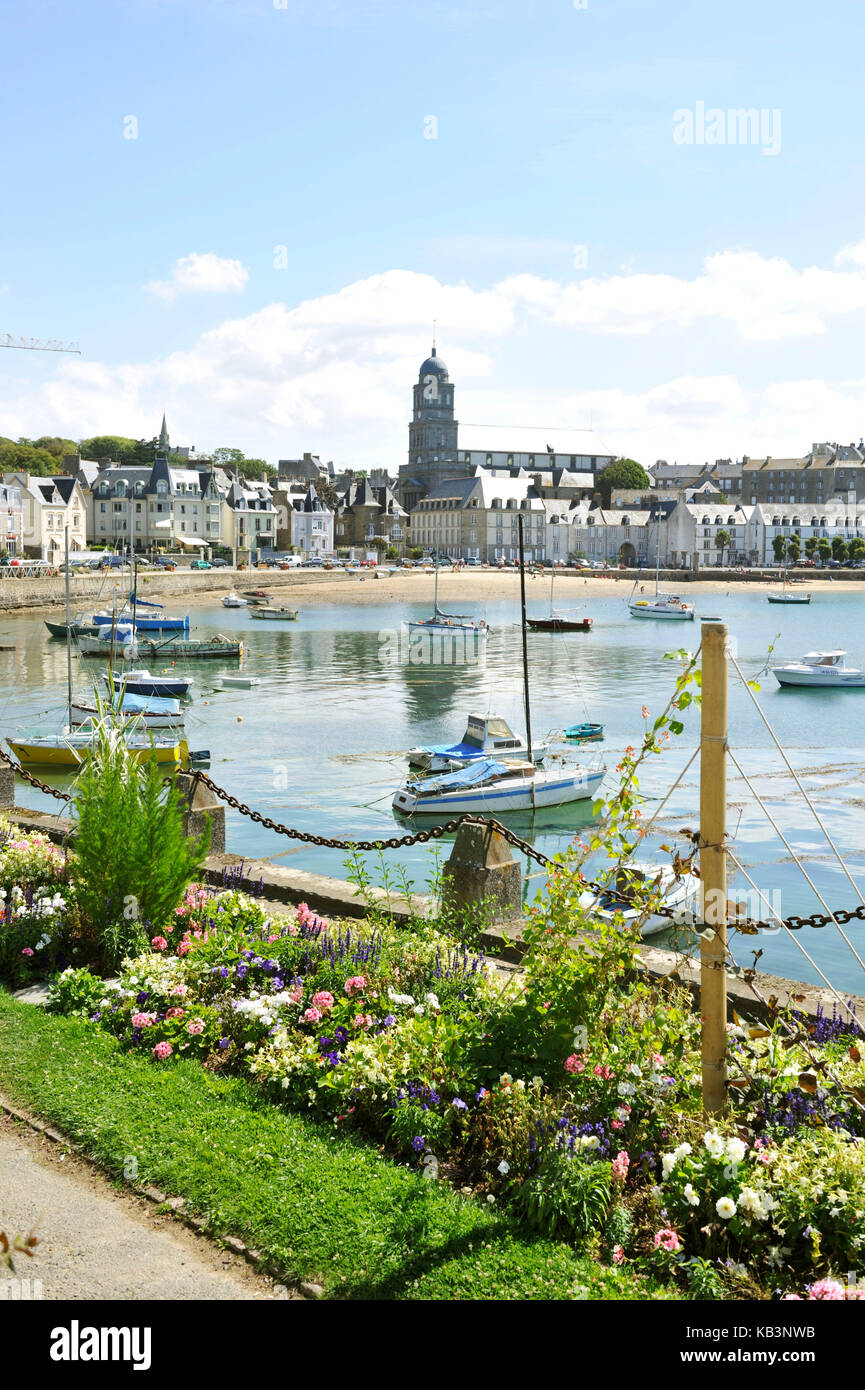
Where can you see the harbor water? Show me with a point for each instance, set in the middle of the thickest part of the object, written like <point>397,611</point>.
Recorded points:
<point>319,743</point>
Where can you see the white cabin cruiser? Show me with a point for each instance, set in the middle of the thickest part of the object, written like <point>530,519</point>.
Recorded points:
<point>648,883</point>
<point>821,671</point>
<point>485,737</point>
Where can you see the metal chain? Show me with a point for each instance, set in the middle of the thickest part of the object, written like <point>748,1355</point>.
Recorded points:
<point>749,927</point>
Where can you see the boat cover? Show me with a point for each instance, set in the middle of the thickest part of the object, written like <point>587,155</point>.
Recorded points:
<point>149,704</point>
<point>481,770</point>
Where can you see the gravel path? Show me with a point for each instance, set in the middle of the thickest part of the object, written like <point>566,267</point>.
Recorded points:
<point>97,1243</point>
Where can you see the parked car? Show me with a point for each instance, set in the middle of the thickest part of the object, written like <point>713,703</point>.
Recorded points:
<point>218,564</point>
<point>473,560</point>
<point>200,565</point>
<point>166,564</point>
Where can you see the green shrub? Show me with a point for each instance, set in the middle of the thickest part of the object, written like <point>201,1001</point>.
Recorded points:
<point>568,1196</point>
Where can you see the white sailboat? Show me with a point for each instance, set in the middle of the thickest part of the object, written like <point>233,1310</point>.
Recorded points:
<point>486,736</point>
<point>448,624</point>
<point>498,785</point>
<point>788,595</point>
<point>665,606</point>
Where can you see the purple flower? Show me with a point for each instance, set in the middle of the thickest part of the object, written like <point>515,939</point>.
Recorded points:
<point>224,1043</point>
<point>224,972</point>
<point>418,1143</point>
<point>459,1104</point>
<point>278,984</point>
<point>141,997</point>
<point>242,971</point>
<point>389,1020</point>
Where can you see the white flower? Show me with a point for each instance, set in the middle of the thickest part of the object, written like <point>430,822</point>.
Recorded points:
<point>519,1085</point>
<point>504,1167</point>
<point>682,1151</point>
<point>736,1150</point>
<point>751,1203</point>
<point>432,1000</point>
<point>407,1000</point>
<point>691,1197</point>
<point>633,1069</point>
<point>588,1141</point>
<point>418,1010</point>
<point>537,1081</point>
<point>505,1079</point>
<point>668,1163</point>
<point>725,1208</point>
<point>490,1197</point>
<point>626,1088</point>
<point>714,1143</point>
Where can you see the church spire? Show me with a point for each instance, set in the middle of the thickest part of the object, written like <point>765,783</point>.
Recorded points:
<point>163,436</point>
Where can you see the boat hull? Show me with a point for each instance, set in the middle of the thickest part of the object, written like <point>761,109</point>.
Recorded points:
<point>191,650</point>
<point>82,714</point>
<point>275,615</point>
<point>789,598</point>
<point>664,614</point>
<point>681,896</point>
<point>808,680</point>
<point>519,793</point>
<point>559,625</point>
<point>59,753</point>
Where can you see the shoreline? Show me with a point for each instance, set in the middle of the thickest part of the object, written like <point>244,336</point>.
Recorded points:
<point>189,590</point>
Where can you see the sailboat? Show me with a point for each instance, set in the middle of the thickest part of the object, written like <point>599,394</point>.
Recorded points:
<point>556,622</point>
<point>447,624</point>
<point>499,784</point>
<point>785,595</point>
<point>486,736</point>
<point>668,606</point>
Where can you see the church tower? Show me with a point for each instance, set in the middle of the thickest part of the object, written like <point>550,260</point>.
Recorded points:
<point>163,438</point>
<point>432,434</point>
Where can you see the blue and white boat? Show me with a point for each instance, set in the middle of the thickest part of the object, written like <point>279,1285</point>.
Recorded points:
<point>486,736</point>
<point>154,619</point>
<point>497,787</point>
<point>141,682</point>
<point>151,711</point>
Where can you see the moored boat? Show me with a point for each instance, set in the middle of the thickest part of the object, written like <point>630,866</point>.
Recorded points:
<point>71,749</point>
<point>233,600</point>
<point>585,733</point>
<point>821,671</point>
<point>151,712</point>
<point>486,736</point>
<point>276,615</point>
<point>496,787</point>
<point>217,648</point>
<point>143,682</point>
<point>558,622</point>
<point>639,887</point>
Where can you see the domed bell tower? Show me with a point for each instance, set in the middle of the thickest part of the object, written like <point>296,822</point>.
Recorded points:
<point>432,433</point>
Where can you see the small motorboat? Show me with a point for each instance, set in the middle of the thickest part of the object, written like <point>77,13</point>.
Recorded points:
<point>821,671</point>
<point>485,737</point>
<point>585,733</point>
<point>118,641</point>
<point>276,615</point>
<point>237,682</point>
<point>233,600</point>
<point>81,626</point>
<point>787,597</point>
<point>257,596</point>
<point>142,682</point>
<point>497,787</point>
<point>636,888</point>
<point>557,624</point>
<point>668,606</point>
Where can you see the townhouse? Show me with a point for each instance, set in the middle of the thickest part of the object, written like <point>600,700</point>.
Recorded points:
<point>48,506</point>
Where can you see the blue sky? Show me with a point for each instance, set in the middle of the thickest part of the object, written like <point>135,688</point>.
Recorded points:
<point>718,306</point>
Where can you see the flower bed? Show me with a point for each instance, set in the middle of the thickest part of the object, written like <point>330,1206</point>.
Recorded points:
<point>589,1131</point>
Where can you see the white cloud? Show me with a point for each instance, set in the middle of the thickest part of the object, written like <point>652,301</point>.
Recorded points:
<point>333,374</point>
<point>204,273</point>
<point>853,254</point>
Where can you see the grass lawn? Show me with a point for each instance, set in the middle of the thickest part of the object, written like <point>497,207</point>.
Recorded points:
<point>320,1206</point>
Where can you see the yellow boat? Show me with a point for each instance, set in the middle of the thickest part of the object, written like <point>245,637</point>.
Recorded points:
<point>70,750</point>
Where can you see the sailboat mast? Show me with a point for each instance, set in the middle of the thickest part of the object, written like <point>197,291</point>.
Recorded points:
<point>552,582</point>
<point>657,552</point>
<point>68,632</point>
<point>525,645</point>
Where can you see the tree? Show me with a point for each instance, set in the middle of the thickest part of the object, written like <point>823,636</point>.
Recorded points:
<point>723,541</point>
<point>810,547</point>
<point>236,461</point>
<point>824,549</point>
<point>620,474</point>
<point>779,545</point>
<point>328,493</point>
<point>839,548</point>
<point>856,548</point>
<point>794,546</point>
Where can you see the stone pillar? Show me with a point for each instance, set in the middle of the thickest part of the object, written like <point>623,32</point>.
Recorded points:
<point>481,867</point>
<point>7,787</point>
<point>200,807</point>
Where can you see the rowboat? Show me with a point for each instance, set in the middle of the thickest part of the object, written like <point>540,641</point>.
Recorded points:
<point>257,596</point>
<point>79,627</point>
<point>237,682</point>
<point>142,682</point>
<point>485,737</point>
<point>821,671</point>
<point>585,733</point>
<point>71,749</point>
<point>638,887</point>
<point>276,615</point>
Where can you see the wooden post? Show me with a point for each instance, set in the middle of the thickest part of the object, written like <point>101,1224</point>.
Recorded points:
<point>713,867</point>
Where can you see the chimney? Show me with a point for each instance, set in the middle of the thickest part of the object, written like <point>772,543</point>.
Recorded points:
<point>596,499</point>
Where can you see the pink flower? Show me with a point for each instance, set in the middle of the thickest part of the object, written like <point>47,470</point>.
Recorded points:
<point>658,1059</point>
<point>293,929</point>
<point>312,1016</point>
<point>27,951</point>
<point>180,989</point>
<point>183,948</point>
<point>574,1063</point>
<point>354,985</point>
<point>620,1165</point>
<point>617,1124</point>
<point>826,1289</point>
<point>159,943</point>
<point>296,994</point>
<point>618,1255</point>
<point>791,1298</point>
<point>175,1013</point>
<point>143,1020</point>
<point>162,1050</point>
<point>323,1000</point>
<point>645,711</point>
<point>665,1239</point>
<point>604,1072</point>
<point>196,1026</point>
<point>362,1021</point>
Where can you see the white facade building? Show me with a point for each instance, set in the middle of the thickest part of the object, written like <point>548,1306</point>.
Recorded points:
<point>48,506</point>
